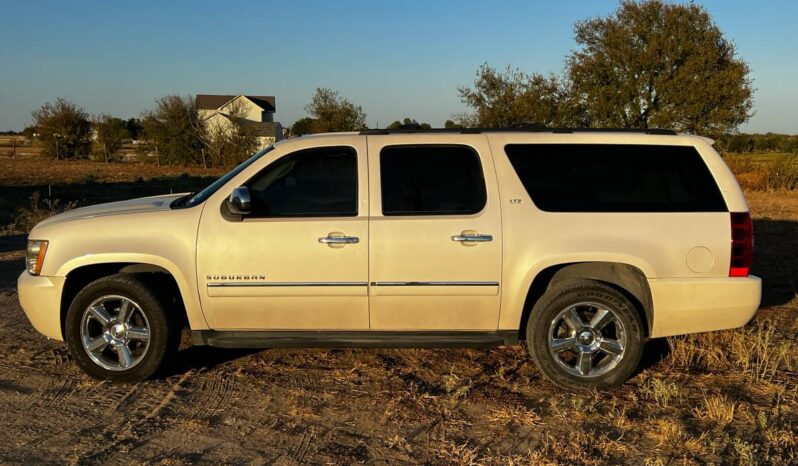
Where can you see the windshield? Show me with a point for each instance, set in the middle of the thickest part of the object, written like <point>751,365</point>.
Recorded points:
<point>193,199</point>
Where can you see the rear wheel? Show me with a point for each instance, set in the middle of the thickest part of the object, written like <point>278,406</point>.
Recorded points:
<point>585,334</point>
<point>118,329</point>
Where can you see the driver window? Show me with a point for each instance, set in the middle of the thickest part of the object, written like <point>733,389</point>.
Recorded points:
<point>319,182</point>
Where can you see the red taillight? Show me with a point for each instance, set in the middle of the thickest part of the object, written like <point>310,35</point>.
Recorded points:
<point>742,244</point>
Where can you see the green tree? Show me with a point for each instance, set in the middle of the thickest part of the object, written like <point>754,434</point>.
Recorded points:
<point>408,123</point>
<point>656,64</point>
<point>331,112</point>
<point>511,98</point>
<point>171,131</point>
<point>134,128</point>
<point>303,126</point>
<point>64,129</point>
<point>110,133</point>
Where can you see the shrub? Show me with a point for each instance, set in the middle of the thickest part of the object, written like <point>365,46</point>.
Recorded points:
<point>40,209</point>
<point>783,173</point>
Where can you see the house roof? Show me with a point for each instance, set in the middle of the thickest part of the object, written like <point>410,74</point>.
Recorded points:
<point>214,101</point>
<point>259,128</point>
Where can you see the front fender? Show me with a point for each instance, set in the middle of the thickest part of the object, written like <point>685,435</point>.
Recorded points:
<point>186,285</point>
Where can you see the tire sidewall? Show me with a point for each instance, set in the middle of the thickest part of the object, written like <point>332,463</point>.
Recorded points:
<point>563,296</point>
<point>161,329</point>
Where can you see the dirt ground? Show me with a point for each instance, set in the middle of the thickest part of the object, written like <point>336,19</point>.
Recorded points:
<point>721,398</point>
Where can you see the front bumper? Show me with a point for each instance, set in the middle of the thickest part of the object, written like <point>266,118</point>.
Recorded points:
<point>693,305</point>
<point>40,298</point>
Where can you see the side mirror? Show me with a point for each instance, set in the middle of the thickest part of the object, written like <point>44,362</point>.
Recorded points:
<point>239,202</point>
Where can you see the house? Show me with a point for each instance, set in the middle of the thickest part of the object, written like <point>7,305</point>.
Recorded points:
<point>256,112</point>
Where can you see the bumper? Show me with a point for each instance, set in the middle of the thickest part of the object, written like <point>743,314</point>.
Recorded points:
<point>693,305</point>
<point>40,298</point>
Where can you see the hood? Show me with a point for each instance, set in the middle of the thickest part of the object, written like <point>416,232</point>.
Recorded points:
<point>143,204</point>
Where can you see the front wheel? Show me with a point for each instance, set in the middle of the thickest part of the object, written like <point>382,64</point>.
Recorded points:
<point>585,334</point>
<point>117,329</point>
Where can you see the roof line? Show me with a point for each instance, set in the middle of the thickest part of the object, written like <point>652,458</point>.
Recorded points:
<point>528,129</point>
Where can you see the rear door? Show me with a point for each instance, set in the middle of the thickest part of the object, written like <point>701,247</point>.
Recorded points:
<point>435,233</point>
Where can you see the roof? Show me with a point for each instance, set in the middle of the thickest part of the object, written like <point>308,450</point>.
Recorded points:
<point>267,129</point>
<point>523,129</point>
<point>214,101</point>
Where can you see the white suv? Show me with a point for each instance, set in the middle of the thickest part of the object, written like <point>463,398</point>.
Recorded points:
<point>584,243</point>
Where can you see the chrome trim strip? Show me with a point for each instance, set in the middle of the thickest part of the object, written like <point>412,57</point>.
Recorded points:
<point>284,284</point>
<point>434,283</point>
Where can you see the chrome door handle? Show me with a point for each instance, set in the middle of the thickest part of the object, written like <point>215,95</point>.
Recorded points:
<point>472,238</point>
<point>339,240</point>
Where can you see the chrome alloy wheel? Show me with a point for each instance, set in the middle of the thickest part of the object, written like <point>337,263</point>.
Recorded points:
<point>587,339</point>
<point>115,332</point>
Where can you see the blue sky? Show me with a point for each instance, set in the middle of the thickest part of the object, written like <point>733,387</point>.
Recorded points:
<point>396,59</point>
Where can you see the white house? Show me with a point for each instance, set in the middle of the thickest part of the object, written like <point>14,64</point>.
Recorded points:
<point>254,111</point>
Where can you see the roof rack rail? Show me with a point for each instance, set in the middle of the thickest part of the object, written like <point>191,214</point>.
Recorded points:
<point>530,129</point>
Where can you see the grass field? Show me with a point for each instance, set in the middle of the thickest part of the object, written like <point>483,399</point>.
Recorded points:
<point>726,397</point>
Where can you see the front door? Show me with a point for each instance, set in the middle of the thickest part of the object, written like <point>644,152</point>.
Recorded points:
<point>435,239</point>
<point>300,260</point>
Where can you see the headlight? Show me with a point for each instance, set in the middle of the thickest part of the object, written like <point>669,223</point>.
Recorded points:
<point>34,256</point>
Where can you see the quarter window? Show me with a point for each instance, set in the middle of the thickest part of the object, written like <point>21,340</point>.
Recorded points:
<point>311,183</point>
<point>431,180</point>
<point>615,178</point>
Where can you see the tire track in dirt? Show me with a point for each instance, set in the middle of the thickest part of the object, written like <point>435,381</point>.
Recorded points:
<point>213,395</point>
<point>300,450</point>
<point>133,432</point>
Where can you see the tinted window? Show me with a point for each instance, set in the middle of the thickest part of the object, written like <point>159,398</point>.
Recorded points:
<point>431,180</point>
<point>311,183</point>
<point>615,178</point>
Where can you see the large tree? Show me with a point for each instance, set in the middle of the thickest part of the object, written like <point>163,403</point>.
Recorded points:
<point>408,123</point>
<point>170,130</point>
<point>303,125</point>
<point>656,64</point>
<point>511,98</point>
<point>331,112</point>
<point>110,133</point>
<point>64,129</point>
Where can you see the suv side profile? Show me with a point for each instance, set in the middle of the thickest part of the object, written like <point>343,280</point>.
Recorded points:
<point>583,243</point>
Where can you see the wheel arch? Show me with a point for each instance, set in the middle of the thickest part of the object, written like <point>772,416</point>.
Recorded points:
<point>161,278</point>
<point>626,278</point>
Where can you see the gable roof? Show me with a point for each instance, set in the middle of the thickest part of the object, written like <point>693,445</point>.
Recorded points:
<point>216,101</point>
<point>258,128</point>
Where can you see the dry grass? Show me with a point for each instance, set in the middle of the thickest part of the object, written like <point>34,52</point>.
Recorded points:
<point>39,171</point>
<point>758,172</point>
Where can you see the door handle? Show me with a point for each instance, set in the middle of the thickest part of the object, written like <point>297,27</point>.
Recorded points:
<point>339,240</point>
<point>472,238</point>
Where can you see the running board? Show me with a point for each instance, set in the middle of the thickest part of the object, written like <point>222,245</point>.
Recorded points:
<point>353,339</point>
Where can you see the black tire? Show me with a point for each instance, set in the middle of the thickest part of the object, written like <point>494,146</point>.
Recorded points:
<point>163,329</point>
<point>548,318</point>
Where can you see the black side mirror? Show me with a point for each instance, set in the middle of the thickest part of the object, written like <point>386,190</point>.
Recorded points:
<point>239,202</point>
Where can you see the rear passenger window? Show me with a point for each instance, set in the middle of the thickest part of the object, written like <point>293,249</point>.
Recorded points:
<point>431,180</point>
<point>615,178</point>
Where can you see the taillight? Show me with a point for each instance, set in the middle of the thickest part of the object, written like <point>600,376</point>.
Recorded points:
<point>742,244</point>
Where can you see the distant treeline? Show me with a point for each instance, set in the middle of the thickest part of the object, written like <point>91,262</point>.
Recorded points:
<point>768,142</point>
